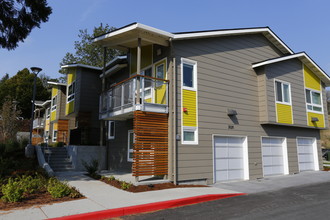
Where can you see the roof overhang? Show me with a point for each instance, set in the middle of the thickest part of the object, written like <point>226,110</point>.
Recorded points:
<point>305,59</point>
<point>56,83</point>
<point>42,104</point>
<point>80,65</point>
<point>127,37</point>
<point>266,31</point>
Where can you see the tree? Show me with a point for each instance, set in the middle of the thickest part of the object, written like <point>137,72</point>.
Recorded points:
<point>19,88</point>
<point>18,18</point>
<point>9,123</point>
<point>88,53</point>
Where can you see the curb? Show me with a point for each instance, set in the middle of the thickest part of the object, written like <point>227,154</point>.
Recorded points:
<point>130,210</point>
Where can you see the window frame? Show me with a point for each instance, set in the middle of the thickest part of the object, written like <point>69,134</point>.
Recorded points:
<point>282,92</point>
<point>55,136</point>
<point>129,150</point>
<point>194,76</point>
<point>190,129</point>
<point>48,113</point>
<point>71,97</point>
<point>53,106</point>
<point>312,104</point>
<point>111,137</point>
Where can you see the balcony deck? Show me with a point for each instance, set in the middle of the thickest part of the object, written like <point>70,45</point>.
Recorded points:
<point>122,99</point>
<point>38,123</point>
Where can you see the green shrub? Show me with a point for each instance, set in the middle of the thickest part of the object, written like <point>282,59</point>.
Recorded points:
<point>125,186</point>
<point>59,144</point>
<point>74,193</point>
<point>91,167</point>
<point>12,191</point>
<point>6,166</point>
<point>31,184</point>
<point>111,178</point>
<point>58,189</point>
<point>12,146</point>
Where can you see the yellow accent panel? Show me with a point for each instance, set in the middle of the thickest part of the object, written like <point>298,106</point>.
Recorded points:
<point>311,80</point>
<point>160,91</point>
<point>69,107</point>
<point>71,76</point>
<point>54,91</point>
<point>47,125</point>
<point>149,100</point>
<point>319,123</point>
<point>55,125</point>
<point>189,101</point>
<point>146,58</point>
<point>53,116</point>
<point>284,113</point>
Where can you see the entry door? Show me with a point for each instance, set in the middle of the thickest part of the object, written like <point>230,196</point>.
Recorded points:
<point>307,154</point>
<point>229,158</point>
<point>272,156</point>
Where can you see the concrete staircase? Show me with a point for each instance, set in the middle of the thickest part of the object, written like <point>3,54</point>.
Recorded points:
<point>59,160</point>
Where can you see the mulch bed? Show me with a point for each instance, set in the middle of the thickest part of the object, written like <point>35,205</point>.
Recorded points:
<point>144,188</point>
<point>39,198</point>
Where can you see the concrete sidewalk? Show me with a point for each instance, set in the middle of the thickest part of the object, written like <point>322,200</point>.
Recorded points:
<point>100,196</point>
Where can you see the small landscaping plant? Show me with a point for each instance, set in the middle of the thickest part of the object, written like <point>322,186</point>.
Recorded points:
<point>58,189</point>
<point>12,191</point>
<point>92,168</point>
<point>125,186</point>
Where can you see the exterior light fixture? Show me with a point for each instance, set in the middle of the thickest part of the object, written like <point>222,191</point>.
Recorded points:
<point>314,119</point>
<point>231,112</point>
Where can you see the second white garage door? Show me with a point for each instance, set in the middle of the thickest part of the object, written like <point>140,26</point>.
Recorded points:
<point>307,154</point>
<point>230,158</point>
<point>274,156</point>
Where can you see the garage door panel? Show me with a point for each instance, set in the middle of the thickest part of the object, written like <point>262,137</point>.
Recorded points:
<point>221,164</point>
<point>235,152</point>
<point>277,160</point>
<point>220,152</point>
<point>235,174</point>
<point>272,156</point>
<point>235,164</point>
<point>306,158</point>
<point>305,148</point>
<point>221,175</point>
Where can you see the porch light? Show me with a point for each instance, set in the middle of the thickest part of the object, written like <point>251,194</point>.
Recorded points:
<point>231,112</point>
<point>314,119</point>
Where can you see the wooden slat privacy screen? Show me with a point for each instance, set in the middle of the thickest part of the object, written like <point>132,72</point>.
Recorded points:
<point>150,152</point>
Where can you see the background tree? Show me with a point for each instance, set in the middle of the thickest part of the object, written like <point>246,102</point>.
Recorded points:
<point>19,88</point>
<point>18,18</point>
<point>88,53</point>
<point>9,123</point>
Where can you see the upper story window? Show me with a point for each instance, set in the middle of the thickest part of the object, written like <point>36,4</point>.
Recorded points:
<point>313,100</point>
<point>71,91</point>
<point>189,74</point>
<point>283,93</point>
<point>47,113</point>
<point>111,130</point>
<point>54,103</point>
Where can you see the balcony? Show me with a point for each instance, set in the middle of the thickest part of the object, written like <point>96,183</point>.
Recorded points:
<point>38,123</point>
<point>136,93</point>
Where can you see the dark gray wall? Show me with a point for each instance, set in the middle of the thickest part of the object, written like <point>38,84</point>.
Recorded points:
<point>226,80</point>
<point>118,147</point>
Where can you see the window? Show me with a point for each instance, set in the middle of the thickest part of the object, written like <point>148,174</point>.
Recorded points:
<point>282,92</point>
<point>189,135</point>
<point>111,130</point>
<point>54,136</point>
<point>313,100</point>
<point>189,75</point>
<point>71,91</point>
<point>160,74</point>
<point>130,146</point>
<point>54,102</point>
<point>46,136</point>
<point>47,113</point>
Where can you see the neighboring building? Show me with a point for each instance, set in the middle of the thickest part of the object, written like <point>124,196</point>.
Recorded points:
<point>39,122</point>
<point>82,103</point>
<point>325,134</point>
<point>211,106</point>
<point>57,128</point>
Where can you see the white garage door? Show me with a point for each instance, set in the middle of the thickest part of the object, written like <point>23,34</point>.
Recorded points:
<point>273,159</point>
<point>307,154</point>
<point>229,158</point>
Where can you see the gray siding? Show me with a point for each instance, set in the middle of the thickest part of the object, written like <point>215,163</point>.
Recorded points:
<point>226,80</point>
<point>118,147</point>
<point>290,71</point>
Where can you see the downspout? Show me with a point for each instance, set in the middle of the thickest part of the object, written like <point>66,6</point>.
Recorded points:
<point>102,122</point>
<point>174,119</point>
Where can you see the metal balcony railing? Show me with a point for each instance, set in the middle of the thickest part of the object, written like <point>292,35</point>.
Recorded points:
<point>136,93</point>
<point>38,123</point>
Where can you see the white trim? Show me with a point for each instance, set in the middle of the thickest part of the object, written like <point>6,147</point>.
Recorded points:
<point>114,69</point>
<point>245,155</point>
<point>194,64</point>
<point>128,145</point>
<point>276,60</point>
<point>316,105</point>
<point>53,138</point>
<point>133,27</point>
<point>109,130</point>
<point>115,59</point>
<point>283,82</point>
<point>315,153</point>
<point>81,65</point>
<point>73,92</point>
<point>284,151</point>
<point>52,104</point>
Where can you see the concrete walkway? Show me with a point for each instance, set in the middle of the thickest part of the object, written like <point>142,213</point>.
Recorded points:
<point>101,196</point>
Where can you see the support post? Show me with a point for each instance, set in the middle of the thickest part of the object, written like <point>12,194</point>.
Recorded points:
<point>138,71</point>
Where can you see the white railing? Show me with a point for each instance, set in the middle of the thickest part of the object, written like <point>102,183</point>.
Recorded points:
<point>38,123</point>
<point>123,97</point>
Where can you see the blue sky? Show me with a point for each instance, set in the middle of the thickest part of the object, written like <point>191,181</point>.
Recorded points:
<point>302,24</point>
